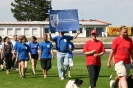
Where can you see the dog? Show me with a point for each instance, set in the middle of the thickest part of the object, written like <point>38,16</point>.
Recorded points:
<point>74,83</point>
<point>112,83</point>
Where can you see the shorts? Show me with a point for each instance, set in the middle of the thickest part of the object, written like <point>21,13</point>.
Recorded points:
<point>34,56</point>
<point>122,69</point>
<point>70,61</point>
<point>23,60</point>
<point>46,63</point>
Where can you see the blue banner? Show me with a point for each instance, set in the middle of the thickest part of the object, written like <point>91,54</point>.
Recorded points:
<point>64,20</point>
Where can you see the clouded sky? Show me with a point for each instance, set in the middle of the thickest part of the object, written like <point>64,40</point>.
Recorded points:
<point>117,12</point>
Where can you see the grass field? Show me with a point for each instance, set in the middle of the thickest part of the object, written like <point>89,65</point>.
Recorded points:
<point>79,70</point>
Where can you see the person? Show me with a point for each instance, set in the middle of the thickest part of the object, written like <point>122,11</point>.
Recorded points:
<point>1,59</point>
<point>27,42</point>
<point>93,49</point>
<point>7,49</point>
<point>121,50</point>
<point>103,33</point>
<point>34,46</point>
<point>46,54</point>
<point>70,56</point>
<point>14,56</point>
<point>62,42</point>
<point>23,56</point>
<point>16,48</point>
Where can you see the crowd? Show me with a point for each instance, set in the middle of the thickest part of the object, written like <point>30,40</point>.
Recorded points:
<point>20,51</point>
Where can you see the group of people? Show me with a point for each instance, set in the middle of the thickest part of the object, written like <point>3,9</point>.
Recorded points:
<point>21,50</point>
<point>121,53</point>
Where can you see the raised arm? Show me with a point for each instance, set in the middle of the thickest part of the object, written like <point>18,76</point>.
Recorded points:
<point>76,34</point>
<point>51,39</point>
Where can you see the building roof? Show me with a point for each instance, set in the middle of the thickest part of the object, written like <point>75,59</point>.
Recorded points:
<point>81,22</point>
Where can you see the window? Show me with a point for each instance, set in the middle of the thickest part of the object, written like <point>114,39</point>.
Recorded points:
<point>18,31</point>
<point>99,31</point>
<point>74,31</point>
<point>26,32</point>
<point>46,30</point>
<point>9,31</point>
<point>34,32</point>
<point>81,30</point>
<point>2,31</point>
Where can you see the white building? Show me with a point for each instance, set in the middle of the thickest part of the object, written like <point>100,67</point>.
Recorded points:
<point>38,28</point>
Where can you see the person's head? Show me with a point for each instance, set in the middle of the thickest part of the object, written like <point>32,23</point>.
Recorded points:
<point>0,39</point>
<point>78,82</point>
<point>93,34</point>
<point>6,39</point>
<point>123,31</point>
<point>15,37</point>
<point>20,38</point>
<point>33,38</point>
<point>23,40</point>
<point>45,37</point>
<point>61,33</point>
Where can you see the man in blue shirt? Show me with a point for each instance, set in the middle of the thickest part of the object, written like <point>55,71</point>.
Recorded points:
<point>46,53</point>
<point>62,47</point>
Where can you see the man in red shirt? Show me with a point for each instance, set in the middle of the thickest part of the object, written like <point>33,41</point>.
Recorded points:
<point>122,49</point>
<point>93,49</point>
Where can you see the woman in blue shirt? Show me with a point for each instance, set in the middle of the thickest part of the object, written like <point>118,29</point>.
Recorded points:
<point>23,56</point>
<point>34,46</point>
<point>46,53</point>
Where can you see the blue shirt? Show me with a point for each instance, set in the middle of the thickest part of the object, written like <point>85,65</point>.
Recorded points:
<point>34,47</point>
<point>46,48</point>
<point>13,42</point>
<point>16,45</point>
<point>1,43</point>
<point>23,52</point>
<point>62,43</point>
<point>70,54</point>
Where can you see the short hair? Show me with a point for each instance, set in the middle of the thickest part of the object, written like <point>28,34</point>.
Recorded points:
<point>5,38</point>
<point>45,35</point>
<point>20,37</point>
<point>34,37</point>
<point>123,27</point>
<point>15,35</point>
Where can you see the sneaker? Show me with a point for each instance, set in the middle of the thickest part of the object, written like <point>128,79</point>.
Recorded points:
<point>62,78</point>
<point>3,70</point>
<point>23,77</point>
<point>69,75</point>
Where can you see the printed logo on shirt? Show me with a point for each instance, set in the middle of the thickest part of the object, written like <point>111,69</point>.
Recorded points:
<point>65,40</point>
<point>35,46</point>
<point>125,49</point>
<point>25,47</point>
<point>48,46</point>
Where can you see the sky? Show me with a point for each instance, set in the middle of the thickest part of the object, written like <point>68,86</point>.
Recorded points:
<point>116,12</point>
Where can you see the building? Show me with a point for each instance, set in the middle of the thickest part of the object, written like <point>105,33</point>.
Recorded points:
<point>38,28</point>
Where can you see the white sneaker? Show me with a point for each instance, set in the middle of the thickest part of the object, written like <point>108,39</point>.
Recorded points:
<point>62,78</point>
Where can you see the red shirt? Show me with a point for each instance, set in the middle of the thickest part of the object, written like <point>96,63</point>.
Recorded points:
<point>91,45</point>
<point>122,48</point>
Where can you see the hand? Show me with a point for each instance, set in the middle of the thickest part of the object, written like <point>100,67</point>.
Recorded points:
<point>95,55</point>
<point>78,32</point>
<point>108,64</point>
<point>93,51</point>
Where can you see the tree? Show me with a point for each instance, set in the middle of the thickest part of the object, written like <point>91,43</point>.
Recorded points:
<point>31,10</point>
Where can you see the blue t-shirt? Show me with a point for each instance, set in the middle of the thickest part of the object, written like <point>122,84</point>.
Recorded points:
<point>70,54</point>
<point>13,42</point>
<point>16,45</point>
<point>1,43</point>
<point>46,48</point>
<point>34,47</point>
<point>23,52</point>
<point>62,43</point>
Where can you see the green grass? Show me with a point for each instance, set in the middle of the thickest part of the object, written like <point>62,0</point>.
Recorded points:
<point>79,70</point>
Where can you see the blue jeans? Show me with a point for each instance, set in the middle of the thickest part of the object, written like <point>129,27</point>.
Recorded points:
<point>62,62</point>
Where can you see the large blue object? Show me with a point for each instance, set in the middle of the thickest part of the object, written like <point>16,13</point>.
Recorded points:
<point>64,20</point>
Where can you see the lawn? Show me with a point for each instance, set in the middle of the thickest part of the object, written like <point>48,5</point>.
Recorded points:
<point>13,80</point>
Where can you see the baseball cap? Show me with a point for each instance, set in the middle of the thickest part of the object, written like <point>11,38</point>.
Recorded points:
<point>93,32</point>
